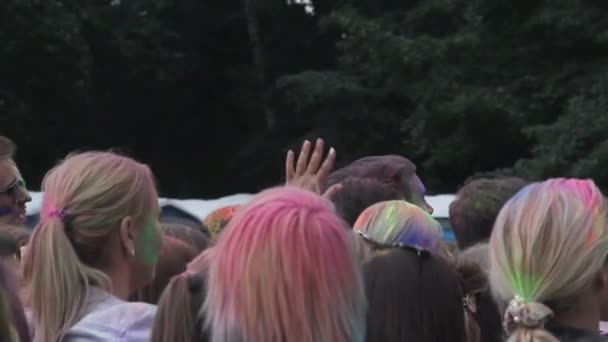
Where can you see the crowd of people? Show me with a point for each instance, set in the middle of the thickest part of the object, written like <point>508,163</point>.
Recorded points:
<point>351,254</point>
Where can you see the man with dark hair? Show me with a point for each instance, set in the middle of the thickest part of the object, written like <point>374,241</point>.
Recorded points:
<point>357,194</point>
<point>393,171</point>
<point>477,204</point>
<point>13,193</point>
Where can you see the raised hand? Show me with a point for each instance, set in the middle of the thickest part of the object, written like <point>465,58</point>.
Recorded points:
<point>311,172</point>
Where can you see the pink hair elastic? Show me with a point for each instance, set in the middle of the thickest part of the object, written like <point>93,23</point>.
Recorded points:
<point>57,213</point>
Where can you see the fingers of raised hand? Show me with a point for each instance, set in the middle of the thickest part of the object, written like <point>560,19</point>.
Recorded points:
<point>290,172</point>
<point>301,166</point>
<point>317,156</point>
<point>327,166</point>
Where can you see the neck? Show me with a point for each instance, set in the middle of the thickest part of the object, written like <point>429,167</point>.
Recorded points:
<point>121,282</point>
<point>585,315</point>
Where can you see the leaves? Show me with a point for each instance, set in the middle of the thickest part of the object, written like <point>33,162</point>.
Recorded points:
<point>460,87</point>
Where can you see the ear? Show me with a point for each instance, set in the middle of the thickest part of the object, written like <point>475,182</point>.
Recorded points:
<point>127,235</point>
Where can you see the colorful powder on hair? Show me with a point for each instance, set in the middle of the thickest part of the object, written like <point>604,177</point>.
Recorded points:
<point>400,222</point>
<point>526,286</point>
<point>390,221</point>
<point>285,267</point>
<point>218,219</point>
<point>148,242</point>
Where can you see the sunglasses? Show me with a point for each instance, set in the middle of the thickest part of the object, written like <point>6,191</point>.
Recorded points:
<point>376,246</point>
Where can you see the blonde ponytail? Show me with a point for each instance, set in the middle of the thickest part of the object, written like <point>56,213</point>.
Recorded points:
<point>548,245</point>
<point>58,280</point>
<point>85,198</point>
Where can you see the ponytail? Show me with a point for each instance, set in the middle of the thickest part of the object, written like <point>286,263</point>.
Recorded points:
<point>58,281</point>
<point>525,321</point>
<point>178,310</point>
<point>548,245</point>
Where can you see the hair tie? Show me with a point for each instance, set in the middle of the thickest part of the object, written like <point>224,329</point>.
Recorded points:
<point>527,314</point>
<point>195,282</point>
<point>57,214</point>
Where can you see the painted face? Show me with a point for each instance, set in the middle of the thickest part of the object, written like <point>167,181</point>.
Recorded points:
<point>417,194</point>
<point>13,194</point>
<point>148,242</point>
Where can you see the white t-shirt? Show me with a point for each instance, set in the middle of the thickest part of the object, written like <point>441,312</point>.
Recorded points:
<point>110,319</point>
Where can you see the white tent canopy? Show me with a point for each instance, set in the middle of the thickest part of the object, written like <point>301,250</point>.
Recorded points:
<point>200,208</point>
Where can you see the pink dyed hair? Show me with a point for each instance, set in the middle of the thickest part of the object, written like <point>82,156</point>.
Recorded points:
<point>285,268</point>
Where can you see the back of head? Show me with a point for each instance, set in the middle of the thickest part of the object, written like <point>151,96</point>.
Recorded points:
<point>87,198</point>
<point>218,219</point>
<point>477,204</point>
<point>177,318</point>
<point>412,297</point>
<point>391,170</point>
<point>393,222</point>
<point>548,246</point>
<point>284,268</point>
<point>357,194</point>
<point>478,254</point>
<point>193,236</point>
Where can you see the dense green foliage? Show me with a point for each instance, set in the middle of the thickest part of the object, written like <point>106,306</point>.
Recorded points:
<point>211,93</point>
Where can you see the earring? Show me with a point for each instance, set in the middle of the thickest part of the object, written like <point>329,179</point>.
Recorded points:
<point>132,252</point>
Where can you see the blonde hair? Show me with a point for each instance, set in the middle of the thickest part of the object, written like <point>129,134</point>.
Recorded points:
<point>177,316</point>
<point>393,222</point>
<point>548,244</point>
<point>85,198</point>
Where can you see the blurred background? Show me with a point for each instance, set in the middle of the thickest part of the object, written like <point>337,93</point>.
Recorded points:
<point>211,93</point>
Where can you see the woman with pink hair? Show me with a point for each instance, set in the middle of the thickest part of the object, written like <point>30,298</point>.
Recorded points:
<point>283,269</point>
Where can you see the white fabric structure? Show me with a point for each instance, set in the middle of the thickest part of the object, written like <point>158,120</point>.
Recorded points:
<point>441,205</point>
<point>196,207</point>
<point>200,208</point>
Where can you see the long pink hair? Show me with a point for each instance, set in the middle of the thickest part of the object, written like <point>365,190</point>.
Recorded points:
<point>285,268</point>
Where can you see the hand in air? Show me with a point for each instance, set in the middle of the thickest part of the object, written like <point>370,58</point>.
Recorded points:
<point>309,173</point>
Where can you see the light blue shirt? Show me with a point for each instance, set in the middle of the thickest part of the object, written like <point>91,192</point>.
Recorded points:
<point>109,319</point>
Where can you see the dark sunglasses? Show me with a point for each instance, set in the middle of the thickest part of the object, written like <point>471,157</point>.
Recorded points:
<point>375,245</point>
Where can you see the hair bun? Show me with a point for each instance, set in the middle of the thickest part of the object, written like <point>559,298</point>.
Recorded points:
<point>527,314</point>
